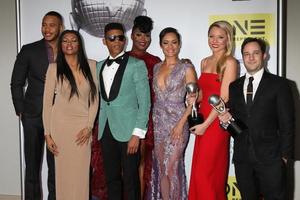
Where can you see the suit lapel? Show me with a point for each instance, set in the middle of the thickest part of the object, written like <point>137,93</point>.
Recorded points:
<point>115,87</point>
<point>240,90</point>
<point>43,55</point>
<point>102,88</point>
<point>261,87</point>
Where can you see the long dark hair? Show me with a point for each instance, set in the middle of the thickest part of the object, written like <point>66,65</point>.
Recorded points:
<point>64,70</point>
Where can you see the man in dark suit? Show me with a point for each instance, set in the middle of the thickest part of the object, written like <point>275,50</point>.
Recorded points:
<point>263,103</point>
<point>30,70</point>
<point>123,115</point>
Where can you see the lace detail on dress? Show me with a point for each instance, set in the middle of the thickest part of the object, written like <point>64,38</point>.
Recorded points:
<point>168,179</point>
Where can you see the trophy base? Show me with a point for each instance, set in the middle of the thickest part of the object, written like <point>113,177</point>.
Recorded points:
<point>236,128</point>
<point>193,121</point>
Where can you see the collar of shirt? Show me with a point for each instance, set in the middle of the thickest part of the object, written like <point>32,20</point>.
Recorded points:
<point>120,54</point>
<point>50,53</point>
<point>109,73</point>
<point>257,78</point>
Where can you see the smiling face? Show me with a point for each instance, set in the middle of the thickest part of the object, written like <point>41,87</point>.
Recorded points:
<point>51,28</point>
<point>253,57</point>
<point>115,46</point>
<point>70,44</point>
<point>170,45</point>
<point>217,39</point>
<point>140,40</point>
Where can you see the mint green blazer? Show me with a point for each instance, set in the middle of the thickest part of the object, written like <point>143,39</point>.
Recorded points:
<point>128,104</point>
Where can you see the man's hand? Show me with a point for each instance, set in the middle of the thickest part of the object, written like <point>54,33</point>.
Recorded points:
<point>133,144</point>
<point>186,61</point>
<point>225,117</point>
<point>285,160</point>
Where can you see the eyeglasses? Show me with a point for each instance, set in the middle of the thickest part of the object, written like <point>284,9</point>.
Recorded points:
<point>112,38</point>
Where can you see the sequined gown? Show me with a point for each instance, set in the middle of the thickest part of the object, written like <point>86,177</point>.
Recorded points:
<point>168,178</point>
<point>211,151</point>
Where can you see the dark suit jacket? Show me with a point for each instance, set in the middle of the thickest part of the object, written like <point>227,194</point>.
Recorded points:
<point>30,69</point>
<point>269,121</point>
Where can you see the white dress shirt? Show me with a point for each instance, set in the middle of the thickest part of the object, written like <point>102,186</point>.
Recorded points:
<point>108,75</point>
<point>256,80</point>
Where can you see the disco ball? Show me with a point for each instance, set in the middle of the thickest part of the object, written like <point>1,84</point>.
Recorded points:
<point>93,15</point>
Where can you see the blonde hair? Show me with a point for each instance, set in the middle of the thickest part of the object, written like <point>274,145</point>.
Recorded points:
<point>224,25</point>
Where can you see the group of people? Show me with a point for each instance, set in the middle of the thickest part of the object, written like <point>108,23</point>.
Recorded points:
<point>142,108</point>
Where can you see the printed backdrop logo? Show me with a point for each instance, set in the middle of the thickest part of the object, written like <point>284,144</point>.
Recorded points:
<point>260,25</point>
<point>232,190</point>
<point>93,15</point>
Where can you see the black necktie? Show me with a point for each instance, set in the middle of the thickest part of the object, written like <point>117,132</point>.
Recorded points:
<point>249,94</point>
<point>117,60</point>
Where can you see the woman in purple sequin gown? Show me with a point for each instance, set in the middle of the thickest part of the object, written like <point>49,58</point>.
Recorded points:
<point>168,180</point>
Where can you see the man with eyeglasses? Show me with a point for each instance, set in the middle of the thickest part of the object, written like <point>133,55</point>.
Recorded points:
<point>123,115</point>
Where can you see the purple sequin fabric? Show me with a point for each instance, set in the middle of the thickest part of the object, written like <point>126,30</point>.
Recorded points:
<point>168,179</point>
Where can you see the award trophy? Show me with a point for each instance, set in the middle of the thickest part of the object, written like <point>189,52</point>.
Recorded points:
<point>232,126</point>
<point>194,118</point>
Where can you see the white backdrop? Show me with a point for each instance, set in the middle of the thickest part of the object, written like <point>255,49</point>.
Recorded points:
<point>190,17</point>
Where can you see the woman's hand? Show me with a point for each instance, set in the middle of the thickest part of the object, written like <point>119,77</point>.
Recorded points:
<point>51,145</point>
<point>199,129</point>
<point>176,133</point>
<point>83,136</point>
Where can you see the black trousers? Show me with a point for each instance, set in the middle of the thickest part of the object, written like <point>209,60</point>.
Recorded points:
<point>33,149</point>
<point>268,179</point>
<point>121,169</point>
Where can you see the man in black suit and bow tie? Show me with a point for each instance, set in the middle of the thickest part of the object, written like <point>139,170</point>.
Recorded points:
<point>264,103</point>
<point>123,115</point>
<point>30,70</point>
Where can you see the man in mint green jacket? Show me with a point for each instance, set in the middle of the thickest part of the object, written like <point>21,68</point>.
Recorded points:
<point>123,115</point>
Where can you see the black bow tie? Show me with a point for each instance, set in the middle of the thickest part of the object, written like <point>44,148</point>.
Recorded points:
<point>117,60</point>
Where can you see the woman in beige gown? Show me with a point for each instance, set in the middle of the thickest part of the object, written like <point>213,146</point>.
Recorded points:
<point>69,110</point>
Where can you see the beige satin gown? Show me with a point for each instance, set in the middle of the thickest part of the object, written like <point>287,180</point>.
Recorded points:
<point>63,120</point>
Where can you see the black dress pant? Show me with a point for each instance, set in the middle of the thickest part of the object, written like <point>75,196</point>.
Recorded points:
<point>268,179</point>
<point>121,169</point>
<point>33,150</point>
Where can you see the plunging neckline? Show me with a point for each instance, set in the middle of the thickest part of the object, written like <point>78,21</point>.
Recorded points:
<point>76,77</point>
<point>77,74</point>
<point>166,81</point>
